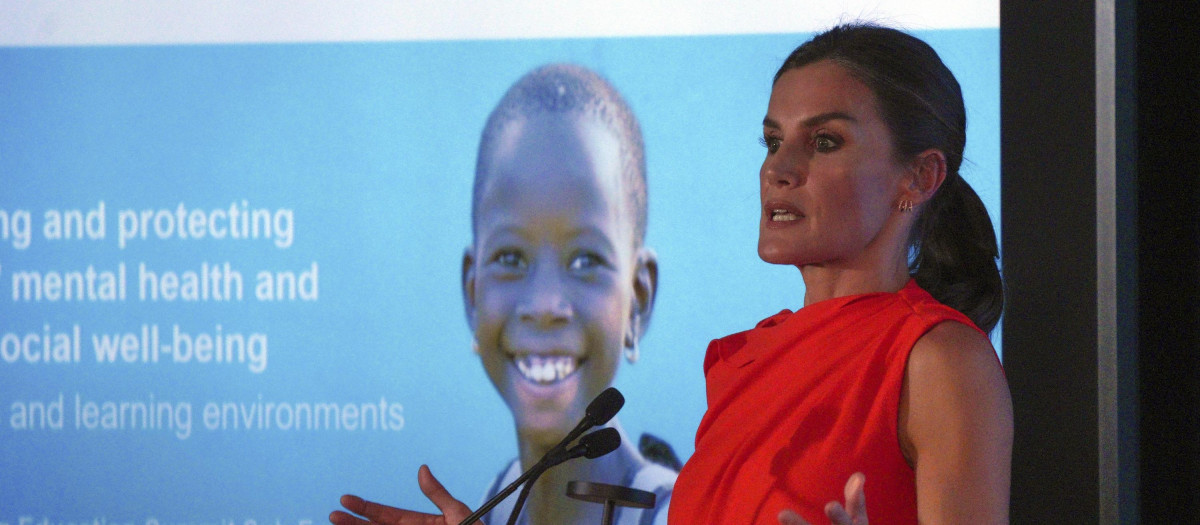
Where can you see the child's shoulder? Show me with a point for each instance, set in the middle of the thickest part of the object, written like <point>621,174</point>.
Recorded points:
<point>657,451</point>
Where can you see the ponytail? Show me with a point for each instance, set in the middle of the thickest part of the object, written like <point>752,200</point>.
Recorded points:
<point>955,253</point>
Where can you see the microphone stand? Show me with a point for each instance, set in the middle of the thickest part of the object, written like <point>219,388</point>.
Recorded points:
<point>592,446</point>
<point>516,512</point>
<point>611,496</point>
<point>598,412</point>
<point>491,503</point>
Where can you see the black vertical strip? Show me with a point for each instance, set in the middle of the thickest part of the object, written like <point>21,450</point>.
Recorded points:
<point>1048,224</point>
<point>1168,77</point>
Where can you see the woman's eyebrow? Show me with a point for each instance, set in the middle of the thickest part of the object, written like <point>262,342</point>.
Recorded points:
<point>815,120</point>
<point>826,117</point>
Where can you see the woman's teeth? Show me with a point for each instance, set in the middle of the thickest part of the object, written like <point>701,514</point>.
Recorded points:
<point>545,369</point>
<point>782,215</point>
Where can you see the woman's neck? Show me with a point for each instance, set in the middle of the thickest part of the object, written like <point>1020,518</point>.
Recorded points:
<point>827,281</point>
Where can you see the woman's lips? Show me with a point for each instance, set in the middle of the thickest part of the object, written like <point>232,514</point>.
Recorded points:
<point>781,213</point>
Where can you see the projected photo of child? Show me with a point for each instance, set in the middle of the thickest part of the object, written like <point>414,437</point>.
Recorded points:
<point>558,289</point>
<point>557,283</point>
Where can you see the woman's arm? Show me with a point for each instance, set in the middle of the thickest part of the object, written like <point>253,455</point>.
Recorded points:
<point>956,427</point>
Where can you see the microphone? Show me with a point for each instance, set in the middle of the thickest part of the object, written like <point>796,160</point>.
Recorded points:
<point>605,406</point>
<point>598,412</point>
<point>591,446</point>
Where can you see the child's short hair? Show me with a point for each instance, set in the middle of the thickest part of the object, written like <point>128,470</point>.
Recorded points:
<point>571,89</point>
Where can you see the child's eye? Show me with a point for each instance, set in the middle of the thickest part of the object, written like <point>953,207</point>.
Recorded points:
<point>586,261</point>
<point>771,143</point>
<point>509,260</point>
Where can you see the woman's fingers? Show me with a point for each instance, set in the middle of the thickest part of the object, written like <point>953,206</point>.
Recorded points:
<point>454,510</point>
<point>789,517</point>
<point>855,511</point>
<point>856,498</point>
<point>338,517</point>
<point>377,513</point>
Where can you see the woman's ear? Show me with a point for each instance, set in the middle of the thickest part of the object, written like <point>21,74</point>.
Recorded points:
<point>645,288</point>
<point>468,286</point>
<point>927,174</point>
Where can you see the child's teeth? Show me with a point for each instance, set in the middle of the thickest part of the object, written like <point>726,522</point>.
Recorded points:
<point>545,369</point>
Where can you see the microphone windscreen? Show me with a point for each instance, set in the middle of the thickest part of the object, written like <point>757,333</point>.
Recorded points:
<point>605,406</point>
<point>600,442</point>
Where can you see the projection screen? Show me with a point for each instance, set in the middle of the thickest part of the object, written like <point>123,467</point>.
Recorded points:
<point>232,235</point>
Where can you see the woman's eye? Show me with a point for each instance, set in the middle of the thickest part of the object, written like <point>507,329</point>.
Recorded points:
<point>825,143</point>
<point>771,143</point>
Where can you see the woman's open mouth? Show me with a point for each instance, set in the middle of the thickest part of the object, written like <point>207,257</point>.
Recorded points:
<point>783,216</point>
<point>780,211</point>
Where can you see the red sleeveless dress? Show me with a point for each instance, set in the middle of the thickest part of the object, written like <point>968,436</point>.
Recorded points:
<point>802,401</point>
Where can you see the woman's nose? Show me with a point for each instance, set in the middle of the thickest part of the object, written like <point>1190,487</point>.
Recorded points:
<point>784,168</point>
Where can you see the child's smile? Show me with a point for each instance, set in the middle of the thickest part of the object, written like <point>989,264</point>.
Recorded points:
<point>543,359</point>
<point>545,369</point>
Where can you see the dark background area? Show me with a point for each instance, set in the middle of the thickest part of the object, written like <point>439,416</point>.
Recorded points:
<point>1106,398</point>
<point>1168,175</point>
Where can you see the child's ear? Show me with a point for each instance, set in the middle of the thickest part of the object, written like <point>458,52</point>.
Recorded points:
<point>645,287</point>
<point>468,286</point>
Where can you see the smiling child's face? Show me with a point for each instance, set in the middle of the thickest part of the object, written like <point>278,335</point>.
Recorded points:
<point>548,281</point>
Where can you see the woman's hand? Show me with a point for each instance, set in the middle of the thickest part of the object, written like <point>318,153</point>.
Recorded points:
<point>453,511</point>
<point>854,513</point>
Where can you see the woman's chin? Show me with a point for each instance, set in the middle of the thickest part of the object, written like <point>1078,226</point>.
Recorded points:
<point>773,256</point>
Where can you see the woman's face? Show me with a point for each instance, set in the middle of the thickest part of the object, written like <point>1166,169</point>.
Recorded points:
<point>829,182</point>
<point>548,280</point>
